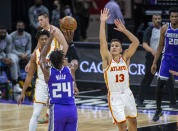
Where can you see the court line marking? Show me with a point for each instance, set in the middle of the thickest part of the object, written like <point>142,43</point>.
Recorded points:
<point>14,128</point>
<point>83,92</point>
<point>158,124</point>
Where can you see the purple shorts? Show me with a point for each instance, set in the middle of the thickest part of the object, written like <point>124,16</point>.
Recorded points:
<point>63,118</point>
<point>168,63</point>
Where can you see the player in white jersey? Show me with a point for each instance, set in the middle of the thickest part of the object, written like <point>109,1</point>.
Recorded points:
<point>58,40</point>
<point>41,92</point>
<point>116,72</point>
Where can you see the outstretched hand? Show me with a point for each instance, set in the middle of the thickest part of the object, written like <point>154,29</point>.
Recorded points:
<point>120,26</point>
<point>104,15</point>
<point>21,99</point>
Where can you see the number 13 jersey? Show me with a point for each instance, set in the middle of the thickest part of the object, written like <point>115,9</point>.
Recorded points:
<point>60,86</point>
<point>117,76</point>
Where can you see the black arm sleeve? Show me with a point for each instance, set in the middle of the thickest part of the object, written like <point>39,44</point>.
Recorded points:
<point>71,53</point>
<point>147,35</point>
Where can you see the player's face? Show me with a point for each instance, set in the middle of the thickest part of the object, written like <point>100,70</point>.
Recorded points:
<point>174,18</point>
<point>157,20</point>
<point>115,48</point>
<point>43,21</point>
<point>43,39</point>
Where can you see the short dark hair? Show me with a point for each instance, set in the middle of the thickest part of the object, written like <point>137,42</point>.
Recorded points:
<point>20,21</point>
<point>56,57</point>
<point>173,9</point>
<point>116,40</point>
<point>43,14</point>
<point>42,32</point>
<point>156,14</point>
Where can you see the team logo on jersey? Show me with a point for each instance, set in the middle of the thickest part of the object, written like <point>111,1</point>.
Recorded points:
<point>118,68</point>
<point>59,77</point>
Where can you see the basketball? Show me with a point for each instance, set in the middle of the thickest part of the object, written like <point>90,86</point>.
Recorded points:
<point>68,23</point>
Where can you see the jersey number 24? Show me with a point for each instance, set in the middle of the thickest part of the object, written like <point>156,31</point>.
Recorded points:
<point>61,87</point>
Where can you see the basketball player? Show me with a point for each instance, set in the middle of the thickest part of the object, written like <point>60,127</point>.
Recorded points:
<point>168,41</point>
<point>116,73</point>
<point>63,112</point>
<point>41,93</point>
<point>58,41</point>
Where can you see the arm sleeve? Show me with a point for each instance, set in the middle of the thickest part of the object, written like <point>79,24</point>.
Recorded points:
<point>9,44</point>
<point>29,45</point>
<point>71,53</point>
<point>147,35</point>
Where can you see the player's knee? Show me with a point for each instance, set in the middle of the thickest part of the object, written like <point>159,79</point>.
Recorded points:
<point>132,121</point>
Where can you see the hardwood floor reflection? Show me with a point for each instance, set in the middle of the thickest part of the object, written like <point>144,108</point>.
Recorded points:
<point>16,118</point>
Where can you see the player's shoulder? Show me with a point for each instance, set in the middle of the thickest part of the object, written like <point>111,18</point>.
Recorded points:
<point>164,27</point>
<point>54,27</point>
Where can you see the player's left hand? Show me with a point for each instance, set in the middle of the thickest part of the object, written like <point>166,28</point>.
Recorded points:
<point>120,26</point>
<point>76,91</point>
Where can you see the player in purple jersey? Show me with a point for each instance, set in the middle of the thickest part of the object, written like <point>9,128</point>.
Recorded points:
<point>168,45</point>
<point>59,77</point>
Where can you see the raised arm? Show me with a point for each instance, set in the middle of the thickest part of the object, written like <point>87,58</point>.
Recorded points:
<point>60,38</point>
<point>106,57</point>
<point>44,52</point>
<point>29,77</point>
<point>159,49</point>
<point>134,41</point>
<point>73,68</point>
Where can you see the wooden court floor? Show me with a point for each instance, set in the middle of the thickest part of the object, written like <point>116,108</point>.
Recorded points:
<point>16,118</point>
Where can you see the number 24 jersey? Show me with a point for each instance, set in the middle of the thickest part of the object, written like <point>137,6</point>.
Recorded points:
<point>60,86</point>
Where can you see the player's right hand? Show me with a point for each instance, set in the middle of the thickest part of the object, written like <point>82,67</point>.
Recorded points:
<point>104,15</point>
<point>27,67</point>
<point>153,68</point>
<point>22,97</point>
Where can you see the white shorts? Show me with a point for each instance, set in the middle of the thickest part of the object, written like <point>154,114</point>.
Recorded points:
<point>122,106</point>
<point>41,92</point>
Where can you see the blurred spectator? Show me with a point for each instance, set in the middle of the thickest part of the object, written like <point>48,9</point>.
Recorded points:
<point>21,44</point>
<point>33,13</point>
<point>56,13</point>
<point>139,17</point>
<point>67,10</point>
<point>9,59</point>
<point>115,13</point>
<point>83,11</point>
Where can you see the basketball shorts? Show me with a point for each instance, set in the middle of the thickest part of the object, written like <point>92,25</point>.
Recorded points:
<point>41,92</point>
<point>122,106</point>
<point>63,118</point>
<point>168,63</point>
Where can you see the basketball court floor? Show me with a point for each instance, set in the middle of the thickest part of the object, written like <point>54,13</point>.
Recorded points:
<point>93,114</point>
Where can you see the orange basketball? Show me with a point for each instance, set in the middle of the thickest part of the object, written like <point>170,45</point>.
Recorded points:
<point>68,23</point>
